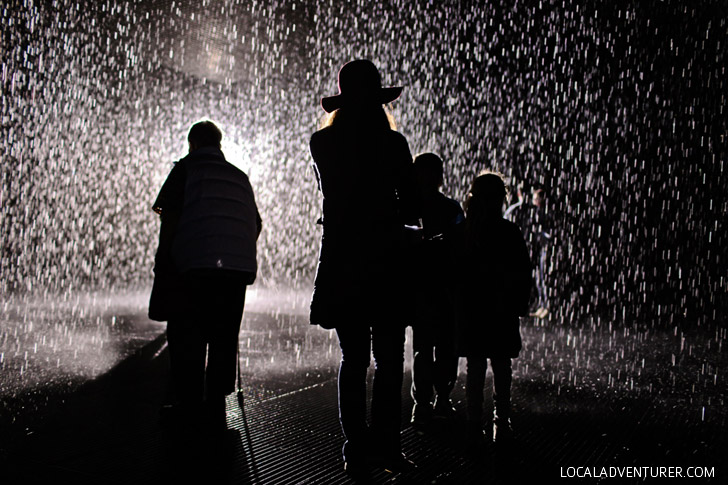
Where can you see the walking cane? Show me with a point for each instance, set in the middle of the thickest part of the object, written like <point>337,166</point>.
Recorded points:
<point>241,398</point>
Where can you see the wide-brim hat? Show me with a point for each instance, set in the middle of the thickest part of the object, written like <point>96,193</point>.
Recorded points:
<point>360,83</point>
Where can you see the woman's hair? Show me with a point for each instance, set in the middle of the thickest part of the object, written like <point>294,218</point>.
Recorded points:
<point>484,202</point>
<point>370,116</point>
<point>205,133</point>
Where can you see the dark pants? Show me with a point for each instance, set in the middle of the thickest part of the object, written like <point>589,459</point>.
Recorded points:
<point>435,361</point>
<point>541,279</point>
<point>203,335</point>
<point>475,384</point>
<point>386,342</point>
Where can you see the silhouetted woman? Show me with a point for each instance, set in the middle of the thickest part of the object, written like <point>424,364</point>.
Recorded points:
<point>496,292</point>
<point>364,172</point>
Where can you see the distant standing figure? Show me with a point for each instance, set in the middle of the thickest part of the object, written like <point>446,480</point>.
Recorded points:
<point>541,235</point>
<point>435,358</point>
<point>205,260</point>
<point>364,172</point>
<point>514,211</point>
<point>496,291</point>
<point>531,215</point>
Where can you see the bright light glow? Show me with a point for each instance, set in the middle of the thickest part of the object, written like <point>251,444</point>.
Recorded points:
<point>237,154</point>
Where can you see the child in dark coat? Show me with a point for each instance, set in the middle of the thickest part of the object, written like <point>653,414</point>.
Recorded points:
<point>435,363</point>
<point>497,283</point>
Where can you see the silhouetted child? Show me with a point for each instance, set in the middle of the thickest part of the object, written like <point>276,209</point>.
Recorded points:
<point>435,358</point>
<point>496,291</point>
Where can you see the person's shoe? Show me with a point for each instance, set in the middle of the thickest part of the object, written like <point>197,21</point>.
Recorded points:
<point>215,413</point>
<point>502,430</point>
<point>444,409</point>
<point>421,415</point>
<point>357,469</point>
<point>394,463</point>
<point>177,415</point>
<point>475,437</point>
<point>536,313</point>
<point>168,416</point>
<point>356,458</point>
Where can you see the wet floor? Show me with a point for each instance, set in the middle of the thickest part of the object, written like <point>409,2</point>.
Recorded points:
<point>82,382</point>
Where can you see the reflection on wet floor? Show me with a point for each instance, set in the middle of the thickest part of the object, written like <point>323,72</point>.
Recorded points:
<point>583,393</point>
<point>678,366</point>
<point>49,350</point>
<point>54,346</point>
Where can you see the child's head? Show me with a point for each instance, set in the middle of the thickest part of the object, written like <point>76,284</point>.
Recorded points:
<point>429,169</point>
<point>487,195</point>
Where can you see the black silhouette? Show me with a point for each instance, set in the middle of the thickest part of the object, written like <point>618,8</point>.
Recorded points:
<point>205,260</point>
<point>497,283</point>
<point>435,358</point>
<point>365,174</point>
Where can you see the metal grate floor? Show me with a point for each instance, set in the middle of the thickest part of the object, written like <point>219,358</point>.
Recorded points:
<point>108,433</point>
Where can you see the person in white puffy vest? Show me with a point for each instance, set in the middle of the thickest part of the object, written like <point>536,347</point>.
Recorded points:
<point>205,260</point>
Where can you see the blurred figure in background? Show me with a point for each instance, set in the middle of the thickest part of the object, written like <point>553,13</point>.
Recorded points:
<point>540,239</point>
<point>531,215</point>
<point>516,212</point>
